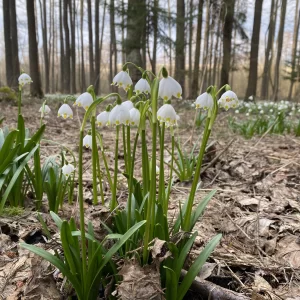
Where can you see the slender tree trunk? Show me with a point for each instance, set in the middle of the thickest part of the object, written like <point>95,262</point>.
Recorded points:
<point>62,48</point>
<point>113,45</point>
<point>91,47</point>
<point>195,82</point>
<point>216,54</point>
<point>73,47</point>
<point>101,40</point>
<point>267,64</point>
<point>252,80</point>
<point>53,47</point>
<point>279,49</point>
<point>14,43</point>
<point>191,19</point>
<point>123,32</point>
<point>206,52</point>
<point>36,86</point>
<point>155,33</point>
<point>97,48</point>
<point>67,66</point>
<point>294,50</point>
<point>8,44</point>
<point>180,44</point>
<point>227,36</point>
<point>83,83</point>
<point>144,36</point>
<point>170,38</point>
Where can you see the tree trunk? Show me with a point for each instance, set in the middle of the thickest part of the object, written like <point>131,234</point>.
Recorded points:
<point>180,44</point>
<point>279,49</point>
<point>91,48</point>
<point>227,36</point>
<point>53,47</point>
<point>252,80</point>
<point>36,86</point>
<point>206,52</point>
<point>97,48</point>
<point>67,66</point>
<point>135,27</point>
<point>294,50</point>
<point>267,64</point>
<point>113,45</point>
<point>73,47</point>
<point>101,40</point>
<point>123,32</point>
<point>195,82</point>
<point>215,67</point>
<point>191,19</point>
<point>170,38</point>
<point>8,44</point>
<point>83,83</point>
<point>155,33</point>
<point>14,43</point>
<point>62,48</point>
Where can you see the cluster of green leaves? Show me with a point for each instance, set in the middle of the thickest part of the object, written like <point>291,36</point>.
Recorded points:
<point>8,94</point>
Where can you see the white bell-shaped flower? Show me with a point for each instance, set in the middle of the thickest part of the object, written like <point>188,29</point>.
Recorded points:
<point>119,115</point>
<point>127,104</point>
<point>45,110</point>
<point>204,101</point>
<point>88,141</point>
<point>102,118</point>
<point>67,170</point>
<point>65,111</point>
<point>24,79</point>
<point>169,87</point>
<point>166,114</point>
<point>134,116</point>
<point>122,80</point>
<point>229,100</point>
<point>84,100</point>
<point>142,86</point>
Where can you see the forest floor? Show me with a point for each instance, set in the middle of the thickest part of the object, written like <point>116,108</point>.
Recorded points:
<point>256,207</point>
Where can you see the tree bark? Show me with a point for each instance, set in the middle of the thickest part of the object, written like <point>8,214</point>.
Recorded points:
<point>35,86</point>
<point>73,45</point>
<point>14,43</point>
<point>91,47</point>
<point>83,83</point>
<point>67,66</point>
<point>279,49</point>
<point>216,53</point>
<point>252,80</point>
<point>170,39</point>
<point>227,36</point>
<point>195,82</point>
<point>180,44</point>
<point>155,34</point>
<point>191,19</point>
<point>113,44</point>
<point>97,48</point>
<point>206,52</point>
<point>294,50</point>
<point>101,40</point>
<point>62,47</point>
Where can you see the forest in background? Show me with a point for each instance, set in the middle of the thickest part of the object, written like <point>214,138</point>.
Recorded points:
<point>66,45</point>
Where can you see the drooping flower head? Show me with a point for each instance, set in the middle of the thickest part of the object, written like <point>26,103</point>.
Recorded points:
<point>119,115</point>
<point>134,117</point>
<point>229,100</point>
<point>84,100</point>
<point>45,109</point>
<point>24,79</point>
<point>142,86</point>
<point>122,80</point>
<point>65,111</point>
<point>67,169</point>
<point>169,87</point>
<point>167,114</point>
<point>127,104</point>
<point>204,101</point>
<point>88,141</point>
<point>103,118</point>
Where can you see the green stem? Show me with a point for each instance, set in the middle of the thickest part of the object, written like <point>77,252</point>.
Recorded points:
<point>100,179</point>
<point>113,204</point>
<point>125,150</point>
<point>145,164</point>
<point>188,213</point>
<point>19,100</point>
<point>128,149</point>
<point>94,159</point>
<point>171,175</point>
<point>161,187</point>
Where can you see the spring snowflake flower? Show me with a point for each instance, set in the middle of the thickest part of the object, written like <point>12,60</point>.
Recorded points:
<point>122,80</point>
<point>166,114</point>
<point>84,100</point>
<point>169,87</point>
<point>119,115</point>
<point>250,98</point>
<point>237,111</point>
<point>293,108</point>
<point>247,114</point>
<point>46,110</point>
<point>102,118</point>
<point>249,110</point>
<point>261,112</point>
<point>229,100</point>
<point>134,116</point>
<point>67,170</point>
<point>24,79</point>
<point>88,141</point>
<point>127,104</point>
<point>65,111</point>
<point>204,101</point>
<point>271,110</point>
<point>142,86</point>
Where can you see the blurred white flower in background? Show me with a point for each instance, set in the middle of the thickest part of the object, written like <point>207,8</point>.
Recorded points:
<point>237,111</point>
<point>122,80</point>
<point>228,100</point>
<point>45,110</point>
<point>67,170</point>
<point>24,79</point>
<point>204,101</point>
<point>88,141</point>
<point>65,111</point>
<point>250,98</point>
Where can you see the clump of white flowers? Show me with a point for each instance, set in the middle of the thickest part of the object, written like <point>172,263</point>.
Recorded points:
<point>65,111</point>
<point>67,170</point>
<point>88,141</point>
<point>24,79</point>
<point>204,101</point>
<point>84,100</point>
<point>122,80</point>
<point>228,100</point>
<point>167,114</point>
<point>169,87</point>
